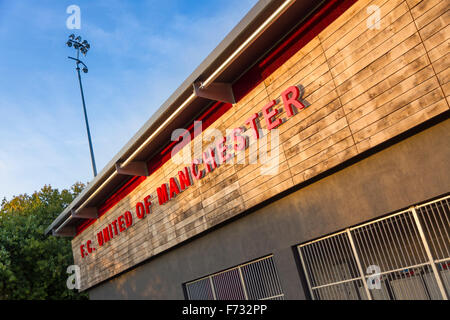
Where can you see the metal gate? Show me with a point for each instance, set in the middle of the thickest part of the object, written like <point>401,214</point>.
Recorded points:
<point>404,256</point>
<point>256,280</point>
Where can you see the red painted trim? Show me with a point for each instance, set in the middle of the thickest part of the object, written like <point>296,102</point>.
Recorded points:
<point>272,61</point>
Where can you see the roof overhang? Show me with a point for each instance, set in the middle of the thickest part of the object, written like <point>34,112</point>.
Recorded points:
<point>109,179</point>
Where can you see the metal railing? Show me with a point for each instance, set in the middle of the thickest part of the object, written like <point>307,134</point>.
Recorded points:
<point>404,256</point>
<point>256,280</point>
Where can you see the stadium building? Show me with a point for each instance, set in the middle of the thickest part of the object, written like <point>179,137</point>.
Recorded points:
<point>307,157</point>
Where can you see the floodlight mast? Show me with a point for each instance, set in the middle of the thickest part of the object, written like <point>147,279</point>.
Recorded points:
<point>84,48</point>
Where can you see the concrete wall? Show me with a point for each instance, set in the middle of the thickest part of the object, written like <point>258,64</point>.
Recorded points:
<point>410,171</point>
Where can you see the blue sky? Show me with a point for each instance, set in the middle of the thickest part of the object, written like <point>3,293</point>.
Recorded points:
<point>140,53</point>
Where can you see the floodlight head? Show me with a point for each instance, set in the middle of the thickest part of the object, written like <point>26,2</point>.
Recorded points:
<point>76,45</point>
<point>72,36</point>
<point>85,70</point>
<point>84,42</point>
<point>78,38</point>
<point>88,46</point>
<point>69,43</point>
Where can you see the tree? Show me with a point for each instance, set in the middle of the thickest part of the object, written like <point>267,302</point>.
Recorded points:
<point>33,265</point>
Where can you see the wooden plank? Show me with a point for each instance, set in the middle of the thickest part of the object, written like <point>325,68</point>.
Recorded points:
<point>446,89</point>
<point>436,39</point>
<point>329,163</point>
<point>442,63</point>
<point>301,70</point>
<point>338,146</point>
<point>397,114</point>
<point>413,3</point>
<point>311,119</point>
<point>339,152</point>
<point>301,58</point>
<point>387,93</point>
<point>444,76</point>
<point>402,126</point>
<point>360,36</point>
<point>355,16</point>
<point>363,54</point>
<point>369,77</point>
<point>438,22</point>
<point>423,7</point>
<point>433,14</point>
<point>294,145</point>
<point>376,53</point>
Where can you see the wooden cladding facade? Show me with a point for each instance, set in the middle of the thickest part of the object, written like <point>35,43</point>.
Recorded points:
<point>363,86</point>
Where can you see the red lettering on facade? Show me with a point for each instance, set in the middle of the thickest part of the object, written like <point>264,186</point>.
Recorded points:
<point>198,174</point>
<point>183,177</point>
<point>163,196</point>
<point>140,210</point>
<point>100,238</point>
<point>147,204</point>
<point>128,219</point>
<point>173,188</point>
<point>121,224</point>
<point>88,246</point>
<point>289,97</point>
<point>114,223</point>
<point>110,231</point>
<point>252,122</point>
<point>268,115</point>
<point>106,236</point>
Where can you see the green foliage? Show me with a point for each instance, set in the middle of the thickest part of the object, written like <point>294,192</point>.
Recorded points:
<point>33,265</point>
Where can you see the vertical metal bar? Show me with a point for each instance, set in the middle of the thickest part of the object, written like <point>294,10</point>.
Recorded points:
<point>264,272</point>
<point>314,256</point>
<point>439,209</point>
<point>384,265</point>
<point>355,253</point>
<point>243,284</point>
<point>408,221</point>
<point>431,230</point>
<point>331,272</point>
<point>216,284</point>
<point>309,262</point>
<point>422,247</point>
<point>430,257</point>
<point>327,273</point>
<point>365,252</point>
<point>306,272</point>
<point>277,279</point>
<point>254,272</point>
<point>187,291</point>
<point>408,261</point>
<point>212,287</point>
<point>434,215</point>
<point>391,255</point>
<point>94,168</point>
